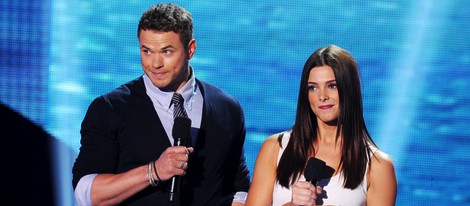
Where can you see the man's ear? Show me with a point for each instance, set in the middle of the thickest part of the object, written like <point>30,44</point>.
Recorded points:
<point>191,48</point>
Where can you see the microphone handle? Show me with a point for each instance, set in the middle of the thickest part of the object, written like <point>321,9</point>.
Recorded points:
<point>174,181</point>
<point>172,189</point>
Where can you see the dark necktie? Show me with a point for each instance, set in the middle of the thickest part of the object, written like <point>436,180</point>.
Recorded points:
<point>179,111</point>
<point>178,102</point>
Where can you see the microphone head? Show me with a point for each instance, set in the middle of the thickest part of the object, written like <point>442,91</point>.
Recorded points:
<point>181,129</point>
<point>314,169</point>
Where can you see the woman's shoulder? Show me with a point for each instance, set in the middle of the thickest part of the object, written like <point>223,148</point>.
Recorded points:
<point>381,158</point>
<point>271,146</point>
<point>272,140</point>
<point>382,166</point>
<point>382,180</point>
<point>280,139</point>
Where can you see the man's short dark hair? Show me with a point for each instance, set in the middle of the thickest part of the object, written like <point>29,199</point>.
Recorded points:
<point>166,18</point>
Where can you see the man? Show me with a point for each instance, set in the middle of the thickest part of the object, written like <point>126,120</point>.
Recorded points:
<point>126,155</point>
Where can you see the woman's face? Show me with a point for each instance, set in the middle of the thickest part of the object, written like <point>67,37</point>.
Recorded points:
<point>323,94</point>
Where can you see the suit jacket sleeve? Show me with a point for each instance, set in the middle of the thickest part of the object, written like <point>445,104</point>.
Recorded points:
<point>224,119</point>
<point>99,145</point>
<point>237,178</point>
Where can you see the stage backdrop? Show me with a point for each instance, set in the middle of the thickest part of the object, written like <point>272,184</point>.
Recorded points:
<point>414,57</point>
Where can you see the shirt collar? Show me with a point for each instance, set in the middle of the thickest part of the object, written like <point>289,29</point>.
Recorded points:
<point>163,98</point>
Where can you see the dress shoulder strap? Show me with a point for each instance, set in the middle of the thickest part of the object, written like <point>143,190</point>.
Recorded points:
<point>279,139</point>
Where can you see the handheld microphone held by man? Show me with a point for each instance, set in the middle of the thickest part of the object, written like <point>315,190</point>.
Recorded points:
<point>181,135</point>
<point>313,170</point>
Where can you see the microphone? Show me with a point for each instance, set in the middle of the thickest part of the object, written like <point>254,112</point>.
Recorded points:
<point>313,170</point>
<point>181,135</point>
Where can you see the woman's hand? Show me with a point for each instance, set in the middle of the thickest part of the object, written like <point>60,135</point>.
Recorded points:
<point>304,193</point>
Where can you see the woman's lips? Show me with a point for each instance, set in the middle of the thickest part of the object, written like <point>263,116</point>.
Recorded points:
<point>325,106</point>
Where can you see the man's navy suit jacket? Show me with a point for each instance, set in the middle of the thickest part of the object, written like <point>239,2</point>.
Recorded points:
<point>121,131</point>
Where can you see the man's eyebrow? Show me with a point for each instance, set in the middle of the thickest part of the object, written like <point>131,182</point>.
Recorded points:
<point>167,47</point>
<point>163,48</point>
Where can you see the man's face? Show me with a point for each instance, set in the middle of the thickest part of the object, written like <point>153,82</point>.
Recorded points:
<point>164,59</point>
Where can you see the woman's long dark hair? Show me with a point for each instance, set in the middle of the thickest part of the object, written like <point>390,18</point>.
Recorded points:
<point>351,125</point>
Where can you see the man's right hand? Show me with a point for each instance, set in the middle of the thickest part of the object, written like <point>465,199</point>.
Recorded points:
<point>173,161</point>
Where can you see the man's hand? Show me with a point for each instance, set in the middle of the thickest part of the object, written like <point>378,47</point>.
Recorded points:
<point>173,161</point>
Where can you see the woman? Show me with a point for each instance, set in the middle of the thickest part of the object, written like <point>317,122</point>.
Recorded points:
<point>330,126</point>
